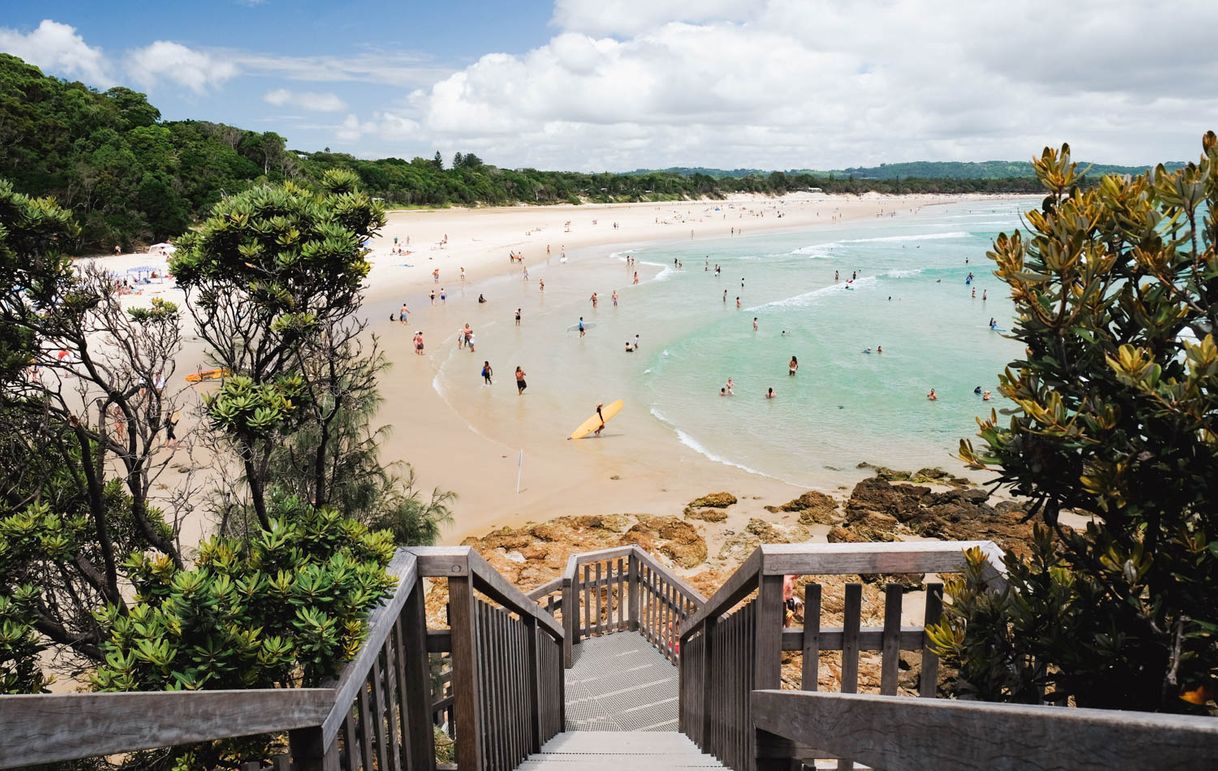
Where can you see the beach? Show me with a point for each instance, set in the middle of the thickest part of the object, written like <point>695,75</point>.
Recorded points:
<point>507,456</point>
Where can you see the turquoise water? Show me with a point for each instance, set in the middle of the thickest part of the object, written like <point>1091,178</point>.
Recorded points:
<point>844,406</point>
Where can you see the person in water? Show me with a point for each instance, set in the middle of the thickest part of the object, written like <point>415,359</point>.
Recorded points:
<point>977,390</point>
<point>879,349</point>
<point>487,372</point>
<point>730,387</point>
<point>582,331</point>
<point>600,415</point>
<point>770,393</point>
<point>985,396</point>
<point>793,367</point>
<point>932,395</point>
<point>481,298</point>
<point>520,384</point>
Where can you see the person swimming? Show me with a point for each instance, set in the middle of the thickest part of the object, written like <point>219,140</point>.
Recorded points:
<point>977,390</point>
<point>481,299</point>
<point>770,393</point>
<point>932,396</point>
<point>866,350</point>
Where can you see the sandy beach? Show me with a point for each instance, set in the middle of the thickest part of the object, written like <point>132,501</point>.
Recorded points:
<point>482,451</point>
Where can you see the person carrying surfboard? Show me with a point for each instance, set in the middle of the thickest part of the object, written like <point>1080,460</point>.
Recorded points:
<point>600,415</point>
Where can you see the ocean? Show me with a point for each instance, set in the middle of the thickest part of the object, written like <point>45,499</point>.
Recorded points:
<point>901,286</point>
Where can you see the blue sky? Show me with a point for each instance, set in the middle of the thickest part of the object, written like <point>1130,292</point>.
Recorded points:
<point>622,84</point>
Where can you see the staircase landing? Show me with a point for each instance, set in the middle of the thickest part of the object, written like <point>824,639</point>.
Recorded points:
<point>618,751</point>
<point>620,683</point>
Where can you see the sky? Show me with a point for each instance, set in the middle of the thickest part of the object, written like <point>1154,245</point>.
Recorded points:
<point>614,85</point>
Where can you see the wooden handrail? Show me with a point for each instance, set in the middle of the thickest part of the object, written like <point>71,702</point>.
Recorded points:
<point>843,559</point>
<point>897,733</point>
<point>380,624</point>
<point>453,561</point>
<point>48,728</point>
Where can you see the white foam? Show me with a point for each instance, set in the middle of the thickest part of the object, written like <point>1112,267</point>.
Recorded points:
<point>807,298</point>
<point>819,250</point>
<point>697,447</point>
<point>895,273</point>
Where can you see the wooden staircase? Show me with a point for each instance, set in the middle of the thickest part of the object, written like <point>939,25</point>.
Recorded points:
<point>618,751</point>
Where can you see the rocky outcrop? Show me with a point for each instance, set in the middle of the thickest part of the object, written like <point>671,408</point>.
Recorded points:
<point>712,501</point>
<point>671,536</point>
<point>815,508</point>
<point>706,515</point>
<point>930,476</point>
<point>881,511</point>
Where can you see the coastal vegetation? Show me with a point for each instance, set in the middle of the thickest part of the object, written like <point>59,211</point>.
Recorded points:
<point>130,178</point>
<point>96,487</point>
<point>1116,294</point>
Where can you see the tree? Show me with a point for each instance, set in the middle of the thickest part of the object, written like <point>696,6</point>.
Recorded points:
<point>84,402</point>
<point>269,270</point>
<point>1115,410</point>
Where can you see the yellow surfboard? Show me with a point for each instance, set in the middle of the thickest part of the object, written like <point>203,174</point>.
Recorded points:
<point>207,374</point>
<point>594,422</point>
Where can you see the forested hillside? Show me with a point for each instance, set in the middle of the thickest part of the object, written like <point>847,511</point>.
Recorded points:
<point>131,178</point>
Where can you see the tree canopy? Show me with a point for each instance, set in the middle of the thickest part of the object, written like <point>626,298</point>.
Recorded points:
<point>1115,417</point>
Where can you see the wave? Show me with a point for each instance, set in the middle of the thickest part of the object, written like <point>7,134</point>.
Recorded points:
<point>817,250</point>
<point>896,273</point>
<point>621,256</point>
<point>807,298</point>
<point>699,448</point>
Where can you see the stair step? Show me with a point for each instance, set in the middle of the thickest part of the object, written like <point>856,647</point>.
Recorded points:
<point>613,750</point>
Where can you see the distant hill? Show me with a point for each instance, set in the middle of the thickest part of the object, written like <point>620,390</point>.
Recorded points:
<point>910,170</point>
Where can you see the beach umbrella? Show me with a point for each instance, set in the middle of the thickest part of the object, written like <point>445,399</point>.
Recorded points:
<point>164,248</point>
<point>142,269</point>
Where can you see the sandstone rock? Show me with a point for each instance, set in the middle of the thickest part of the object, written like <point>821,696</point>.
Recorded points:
<point>712,501</point>
<point>814,508</point>
<point>706,515</point>
<point>673,537</point>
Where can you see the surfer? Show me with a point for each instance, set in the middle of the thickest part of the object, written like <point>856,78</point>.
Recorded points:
<point>600,415</point>
<point>582,332</point>
<point>487,372</point>
<point>520,384</point>
<point>793,367</point>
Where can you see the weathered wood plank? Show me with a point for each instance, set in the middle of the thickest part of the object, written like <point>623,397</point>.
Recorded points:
<point>891,643</point>
<point>928,678</point>
<point>416,684</point>
<point>466,681</point>
<point>488,581</point>
<point>48,728</point>
<point>810,668</point>
<point>899,734</point>
<point>852,613</point>
<point>869,558</point>
<point>442,561</point>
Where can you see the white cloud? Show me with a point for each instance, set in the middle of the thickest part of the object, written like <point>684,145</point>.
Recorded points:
<point>58,49</point>
<point>168,61</point>
<point>384,67</point>
<point>829,83</point>
<point>312,101</point>
<point>385,126</point>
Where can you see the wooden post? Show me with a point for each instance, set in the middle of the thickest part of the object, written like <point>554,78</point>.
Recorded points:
<point>467,700</point>
<point>891,640</point>
<point>534,682</point>
<point>708,675</point>
<point>416,697</point>
<point>308,751</point>
<point>633,592</point>
<point>570,622</point>
<point>767,665</point>
<point>928,678</point>
<point>810,679</point>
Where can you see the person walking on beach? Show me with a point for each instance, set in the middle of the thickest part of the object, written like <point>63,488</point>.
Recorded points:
<point>737,302</point>
<point>582,331</point>
<point>614,298</point>
<point>433,297</point>
<point>469,342</point>
<point>636,277</point>
<point>793,367</point>
<point>487,372</point>
<point>541,285</point>
<point>600,415</point>
<point>517,317</point>
<point>418,343</point>
<point>435,276</point>
<point>520,384</point>
<point>462,275</point>
<point>404,314</point>
<point>595,300</point>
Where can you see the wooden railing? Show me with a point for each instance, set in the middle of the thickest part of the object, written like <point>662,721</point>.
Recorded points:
<point>897,734</point>
<point>734,643</point>
<point>506,699</point>
<point>619,589</point>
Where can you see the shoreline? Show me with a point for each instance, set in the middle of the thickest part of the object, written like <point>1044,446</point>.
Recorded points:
<point>464,450</point>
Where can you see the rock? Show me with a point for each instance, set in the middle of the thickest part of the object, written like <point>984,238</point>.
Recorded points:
<point>674,538</point>
<point>706,515</point>
<point>515,556</point>
<point>765,531</point>
<point>814,508</point>
<point>712,501</point>
<point>930,475</point>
